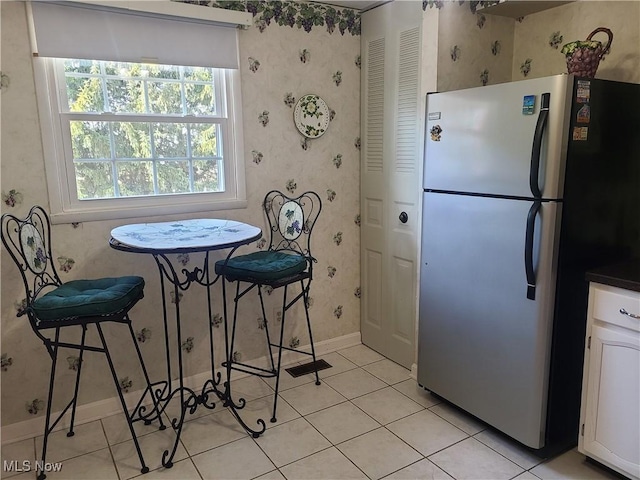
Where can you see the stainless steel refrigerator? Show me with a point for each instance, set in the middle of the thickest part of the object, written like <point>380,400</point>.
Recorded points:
<point>526,186</point>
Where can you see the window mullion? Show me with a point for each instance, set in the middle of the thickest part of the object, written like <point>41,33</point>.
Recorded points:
<point>183,98</point>
<point>145,92</point>
<point>103,83</point>
<point>114,166</point>
<point>183,92</point>
<point>190,158</point>
<point>154,160</point>
<point>152,145</point>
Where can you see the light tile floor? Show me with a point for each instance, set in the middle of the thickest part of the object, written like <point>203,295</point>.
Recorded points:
<point>367,420</point>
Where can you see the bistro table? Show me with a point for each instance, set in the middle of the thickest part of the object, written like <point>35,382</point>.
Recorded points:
<point>203,235</point>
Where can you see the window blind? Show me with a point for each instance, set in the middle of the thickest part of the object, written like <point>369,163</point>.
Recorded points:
<point>78,30</point>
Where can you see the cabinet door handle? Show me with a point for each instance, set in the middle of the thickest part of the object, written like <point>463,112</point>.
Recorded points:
<point>632,315</point>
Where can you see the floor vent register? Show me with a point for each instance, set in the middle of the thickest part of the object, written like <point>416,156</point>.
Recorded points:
<point>306,368</point>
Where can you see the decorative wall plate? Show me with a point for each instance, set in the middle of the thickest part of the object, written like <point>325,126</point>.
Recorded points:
<point>311,116</point>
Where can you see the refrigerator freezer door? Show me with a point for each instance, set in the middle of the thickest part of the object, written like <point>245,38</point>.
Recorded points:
<point>479,140</point>
<point>483,345</point>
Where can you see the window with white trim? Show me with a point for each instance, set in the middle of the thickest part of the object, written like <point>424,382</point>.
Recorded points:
<point>142,130</point>
<point>123,138</point>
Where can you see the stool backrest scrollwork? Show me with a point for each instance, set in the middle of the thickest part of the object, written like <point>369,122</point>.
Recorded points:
<point>28,242</point>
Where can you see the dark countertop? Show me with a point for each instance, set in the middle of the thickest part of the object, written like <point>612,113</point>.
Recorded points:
<point>622,275</point>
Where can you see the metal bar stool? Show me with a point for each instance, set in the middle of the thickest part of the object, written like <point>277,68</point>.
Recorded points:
<point>52,306</point>
<point>287,260</point>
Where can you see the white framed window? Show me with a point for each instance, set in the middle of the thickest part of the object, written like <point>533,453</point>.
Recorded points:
<point>127,138</point>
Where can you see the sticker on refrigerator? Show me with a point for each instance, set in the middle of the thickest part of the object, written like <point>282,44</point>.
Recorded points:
<point>583,91</point>
<point>434,115</point>
<point>435,132</point>
<point>584,114</point>
<point>528,104</point>
<point>580,134</point>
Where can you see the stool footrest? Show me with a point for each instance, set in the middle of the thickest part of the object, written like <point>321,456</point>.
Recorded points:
<point>250,369</point>
<point>291,349</point>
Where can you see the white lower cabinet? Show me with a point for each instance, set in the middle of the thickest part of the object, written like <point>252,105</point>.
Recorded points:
<point>610,412</point>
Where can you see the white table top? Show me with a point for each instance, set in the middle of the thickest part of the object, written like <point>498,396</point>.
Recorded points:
<point>184,235</point>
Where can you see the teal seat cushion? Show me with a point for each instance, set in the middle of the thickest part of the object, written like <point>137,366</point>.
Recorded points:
<point>263,266</point>
<point>83,298</point>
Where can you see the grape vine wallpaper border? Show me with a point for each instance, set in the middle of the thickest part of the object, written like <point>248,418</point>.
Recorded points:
<point>304,16</point>
<point>476,48</point>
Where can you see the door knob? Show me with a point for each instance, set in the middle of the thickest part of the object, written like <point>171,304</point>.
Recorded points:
<point>403,217</point>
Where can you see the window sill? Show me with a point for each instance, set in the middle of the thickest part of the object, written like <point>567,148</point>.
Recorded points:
<point>85,215</point>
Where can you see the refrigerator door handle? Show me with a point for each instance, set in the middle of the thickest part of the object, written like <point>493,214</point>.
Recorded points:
<point>541,124</point>
<point>528,249</point>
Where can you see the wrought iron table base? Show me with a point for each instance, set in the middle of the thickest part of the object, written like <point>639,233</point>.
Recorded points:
<point>191,403</point>
<point>181,237</point>
<point>189,399</point>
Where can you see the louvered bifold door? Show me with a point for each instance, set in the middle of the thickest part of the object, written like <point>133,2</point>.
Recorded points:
<point>373,191</point>
<point>404,188</point>
<point>390,187</point>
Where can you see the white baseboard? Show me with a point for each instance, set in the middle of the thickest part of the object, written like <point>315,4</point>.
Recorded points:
<point>111,406</point>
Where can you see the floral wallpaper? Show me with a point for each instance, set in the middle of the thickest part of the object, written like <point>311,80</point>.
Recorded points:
<point>477,48</point>
<point>474,49</point>
<point>538,39</point>
<point>291,50</point>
